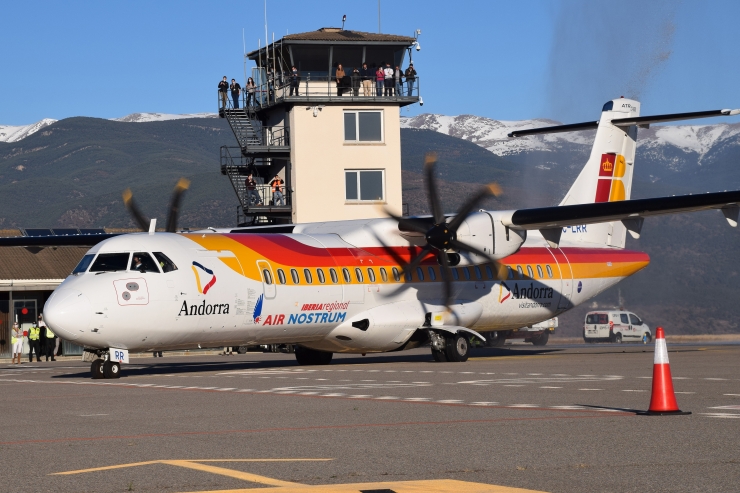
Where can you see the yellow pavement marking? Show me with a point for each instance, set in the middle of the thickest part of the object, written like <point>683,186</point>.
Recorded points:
<point>232,473</point>
<point>424,486</point>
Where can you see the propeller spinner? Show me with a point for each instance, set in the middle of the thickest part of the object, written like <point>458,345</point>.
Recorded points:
<point>174,209</point>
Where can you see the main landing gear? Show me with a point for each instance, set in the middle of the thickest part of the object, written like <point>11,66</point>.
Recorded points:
<point>306,356</point>
<point>449,347</point>
<point>105,369</point>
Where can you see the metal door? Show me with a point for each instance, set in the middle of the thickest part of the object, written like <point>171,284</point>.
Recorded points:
<point>566,277</point>
<point>268,279</point>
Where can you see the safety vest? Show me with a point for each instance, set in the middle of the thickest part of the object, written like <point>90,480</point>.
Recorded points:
<point>276,185</point>
<point>49,333</point>
<point>34,333</point>
<point>13,337</point>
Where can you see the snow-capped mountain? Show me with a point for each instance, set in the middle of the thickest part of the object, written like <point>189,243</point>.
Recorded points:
<point>14,133</point>
<point>491,134</point>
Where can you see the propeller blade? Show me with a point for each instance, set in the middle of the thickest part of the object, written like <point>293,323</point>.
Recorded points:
<point>500,269</point>
<point>128,201</point>
<point>182,185</point>
<point>429,161</point>
<point>491,189</point>
<point>409,268</point>
<point>446,277</point>
<point>408,223</point>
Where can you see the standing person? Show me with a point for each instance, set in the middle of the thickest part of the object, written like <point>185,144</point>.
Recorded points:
<point>277,191</point>
<point>271,86</point>
<point>223,86</point>
<point>252,195</point>
<point>16,339</point>
<point>50,342</point>
<point>366,75</point>
<point>236,91</point>
<point>338,76</point>
<point>410,78</point>
<point>294,80</point>
<point>388,79</point>
<point>355,81</point>
<point>379,80</point>
<point>251,87</point>
<point>398,78</point>
<point>34,343</point>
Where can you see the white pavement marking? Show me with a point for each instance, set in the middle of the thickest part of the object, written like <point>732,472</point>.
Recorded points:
<point>507,385</point>
<point>359,396</point>
<point>387,397</point>
<point>420,399</point>
<point>484,403</point>
<point>333,395</point>
<point>715,379</point>
<point>677,392</point>
<point>450,401</point>
<point>731,406</point>
<point>590,389</point>
<point>567,407</point>
<point>721,415</point>
<point>523,405</point>
<point>547,387</point>
<point>543,380</point>
<point>736,395</point>
<point>86,415</point>
<point>631,390</point>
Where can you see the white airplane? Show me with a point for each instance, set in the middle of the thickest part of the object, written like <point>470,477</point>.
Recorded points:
<point>373,285</point>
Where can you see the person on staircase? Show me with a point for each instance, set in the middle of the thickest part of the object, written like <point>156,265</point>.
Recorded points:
<point>294,80</point>
<point>278,190</point>
<point>236,91</point>
<point>251,88</point>
<point>223,86</point>
<point>252,195</point>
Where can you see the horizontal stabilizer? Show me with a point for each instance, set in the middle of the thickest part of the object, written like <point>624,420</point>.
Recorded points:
<point>574,215</point>
<point>573,127</point>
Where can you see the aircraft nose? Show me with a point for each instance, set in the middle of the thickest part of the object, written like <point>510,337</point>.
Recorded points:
<point>68,313</point>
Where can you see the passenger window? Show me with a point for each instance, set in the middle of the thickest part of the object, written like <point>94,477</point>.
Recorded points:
<point>478,274</point>
<point>408,277</point>
<point>143,262</point>
<point>420,273</point>
<point>539,272</point>
<point>165,263</point>
<point>520,271</point>
<point>294,276</point>
<point>529,272</point>
<point>84,264</point>
<point>549,271</point>
<point>396,275</point>
<point>320,274</point>
<point>623,317</point>
<point>489,272</point>
<point>333,275</point>
<point>510,272</point>
<point>281,276</point>
<point>383,274</point>
<point>634,320</point>
<point>456,274</point>
<point>371,274</point>
<point>358,274</point>
<point>308,276</point>
<point>432,274</point>
<point>466,273</point>
<point>267,276</point>
<point>345,274</point>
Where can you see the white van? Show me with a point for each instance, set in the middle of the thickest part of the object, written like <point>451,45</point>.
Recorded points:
<point>615,326</point>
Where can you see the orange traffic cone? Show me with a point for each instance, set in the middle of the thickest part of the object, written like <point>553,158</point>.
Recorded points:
<point>663,399</point>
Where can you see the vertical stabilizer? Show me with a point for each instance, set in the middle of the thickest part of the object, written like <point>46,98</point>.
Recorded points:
<point>607,176</point>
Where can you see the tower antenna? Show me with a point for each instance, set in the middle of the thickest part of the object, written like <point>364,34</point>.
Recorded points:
<point>244,45</point>
<point>378,16</point>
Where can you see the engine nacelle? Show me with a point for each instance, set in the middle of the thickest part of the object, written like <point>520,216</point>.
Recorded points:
<point>485,231</point>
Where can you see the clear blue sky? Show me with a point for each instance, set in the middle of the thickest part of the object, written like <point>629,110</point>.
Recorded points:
<point>499,59</point>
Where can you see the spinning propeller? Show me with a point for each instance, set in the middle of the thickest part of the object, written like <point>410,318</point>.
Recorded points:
<point>441,237</point>
<point>143,221</point>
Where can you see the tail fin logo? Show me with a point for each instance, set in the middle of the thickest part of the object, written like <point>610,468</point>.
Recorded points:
<point>607,166</point>
<point>257,313</point>
<point>209,284</point>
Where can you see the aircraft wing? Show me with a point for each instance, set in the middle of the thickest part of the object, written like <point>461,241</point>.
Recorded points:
<point>627,211</point>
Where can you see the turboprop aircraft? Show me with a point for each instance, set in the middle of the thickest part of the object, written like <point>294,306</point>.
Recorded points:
<point>372,285</point>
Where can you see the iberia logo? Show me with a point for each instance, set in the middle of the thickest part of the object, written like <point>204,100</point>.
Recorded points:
<point>257,313</point>
<point>501,296</point>
<point>209,284</point>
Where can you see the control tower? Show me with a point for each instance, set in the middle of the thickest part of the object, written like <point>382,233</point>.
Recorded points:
<point>335,140</point>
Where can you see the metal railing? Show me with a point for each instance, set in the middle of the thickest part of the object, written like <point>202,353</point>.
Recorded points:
<point>322,88</point>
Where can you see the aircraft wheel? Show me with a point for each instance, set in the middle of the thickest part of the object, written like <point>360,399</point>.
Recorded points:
<point>496,338</point>
<point>542,339</point>
<point>439,356</point>
<point>458,348</point>
<point>96,369</point>
<point>306,356</point>
<point>112,369</point>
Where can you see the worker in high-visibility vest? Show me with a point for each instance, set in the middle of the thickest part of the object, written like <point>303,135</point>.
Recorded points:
<point>50,343</point>
<point>34,343</point>
<point>16,339</point>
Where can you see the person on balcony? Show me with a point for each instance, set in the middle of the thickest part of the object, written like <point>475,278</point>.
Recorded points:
<point>366,75</point>
<point>270,86</point>
<point>388,79</point>
<point>236,91</point>
<point>252,195</point>
<point>294,80</point>
<point>410,79</point>
<point>398,79</point>
<point>277,191</point>
<point>223,86</point>
<point>251,87</point>
<point>339,76</point>
<point>379,80</point>
<point>355,81</point>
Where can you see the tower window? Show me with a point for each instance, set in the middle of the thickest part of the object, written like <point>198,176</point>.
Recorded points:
<point>363,126</point>
<point>364,185</point>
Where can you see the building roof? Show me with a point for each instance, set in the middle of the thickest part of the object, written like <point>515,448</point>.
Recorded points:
<point>39,263</point>
<point>337,34</point>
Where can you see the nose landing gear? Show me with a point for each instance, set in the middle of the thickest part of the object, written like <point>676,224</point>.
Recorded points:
<point>105,369</point>
<point>449,347</point>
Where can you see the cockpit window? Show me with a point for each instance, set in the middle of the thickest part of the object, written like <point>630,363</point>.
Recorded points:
<point>143,262</point>
<point>84,264</point>
<point>110,262</point>
<point>165,263</point>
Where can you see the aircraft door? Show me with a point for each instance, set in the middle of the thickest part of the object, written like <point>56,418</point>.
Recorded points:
<point>268,279</point>
<point>566,278</point>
